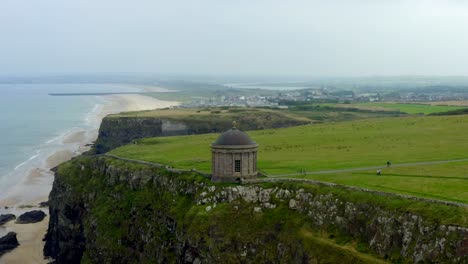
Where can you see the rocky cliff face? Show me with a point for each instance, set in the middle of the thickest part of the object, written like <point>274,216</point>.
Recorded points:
<point>117,131</point>
<point>109,211</point>
<point>65,238</point>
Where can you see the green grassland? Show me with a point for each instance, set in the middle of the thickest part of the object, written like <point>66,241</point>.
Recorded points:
<point>208,114</point>
<point>408,108</point>
<point>411,108</point>
<point>344,145</point>
<point>321,114</point>
<point>439,181</point>
<point>308,113</point>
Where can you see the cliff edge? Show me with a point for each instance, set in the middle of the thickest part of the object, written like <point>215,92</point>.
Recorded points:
<point>121,129</point>
<point>105,210</point>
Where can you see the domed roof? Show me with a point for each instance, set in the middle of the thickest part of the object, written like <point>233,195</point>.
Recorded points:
<point>234,137</point>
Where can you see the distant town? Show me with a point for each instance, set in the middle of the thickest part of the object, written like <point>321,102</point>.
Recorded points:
<point>282,99</point>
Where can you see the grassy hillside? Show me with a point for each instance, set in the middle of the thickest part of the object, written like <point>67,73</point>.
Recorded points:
<point>309,113</point>
<point>121,129</point>
<point>345,145</point>
<point>413,108</point>
<point>340,112</point>
<point>388,108</point>
<point>205,114</point>
<point>441,181</point>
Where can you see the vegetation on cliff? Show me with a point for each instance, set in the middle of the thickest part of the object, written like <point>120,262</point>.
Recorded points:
<point>106,211</point>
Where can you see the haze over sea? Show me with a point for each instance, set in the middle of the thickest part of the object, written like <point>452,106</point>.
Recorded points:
<point>33,123</point>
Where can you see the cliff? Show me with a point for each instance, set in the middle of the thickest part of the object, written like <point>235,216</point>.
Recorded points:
<point>104,210</point>
<point>118,130</point>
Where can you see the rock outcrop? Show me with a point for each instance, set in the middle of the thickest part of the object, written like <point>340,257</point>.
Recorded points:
<point>8,243</point>
<point>31,217</point>
<point>107,211</point>
<point>386,232</point>
<point>6,218</point>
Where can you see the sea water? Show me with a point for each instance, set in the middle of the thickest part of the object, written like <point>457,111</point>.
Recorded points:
<point>32,122</point>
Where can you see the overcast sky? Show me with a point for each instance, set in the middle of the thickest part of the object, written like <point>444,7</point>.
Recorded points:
<point>311,38</point>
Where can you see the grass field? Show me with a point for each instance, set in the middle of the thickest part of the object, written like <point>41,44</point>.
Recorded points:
<point>229,113</point>
<point>208,114</point>
<point>413,108</point>
<point>441,181</point>
<point>357,144</point>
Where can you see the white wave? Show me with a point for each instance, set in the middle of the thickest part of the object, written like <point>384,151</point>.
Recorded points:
<point>30,158</point>
<point>59,138</point>
<point>91,119</point>
<point>86,120</point>
<point>50,141</point>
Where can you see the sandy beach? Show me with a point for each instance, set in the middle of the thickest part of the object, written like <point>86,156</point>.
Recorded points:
<point>35,186</point>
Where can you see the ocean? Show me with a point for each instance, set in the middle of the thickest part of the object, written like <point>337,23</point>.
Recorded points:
<point>33,123</point>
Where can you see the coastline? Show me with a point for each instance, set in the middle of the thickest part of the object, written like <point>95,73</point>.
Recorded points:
<point>35,185</point>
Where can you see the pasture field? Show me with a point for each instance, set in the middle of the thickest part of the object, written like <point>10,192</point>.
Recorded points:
<point>212,113</point>
<point>413,108</point>
<point>310,114</point>
<point>447,181</point>
<point>344,145</point>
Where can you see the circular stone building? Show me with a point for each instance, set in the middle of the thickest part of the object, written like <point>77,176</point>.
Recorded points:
<point>234,157</point>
